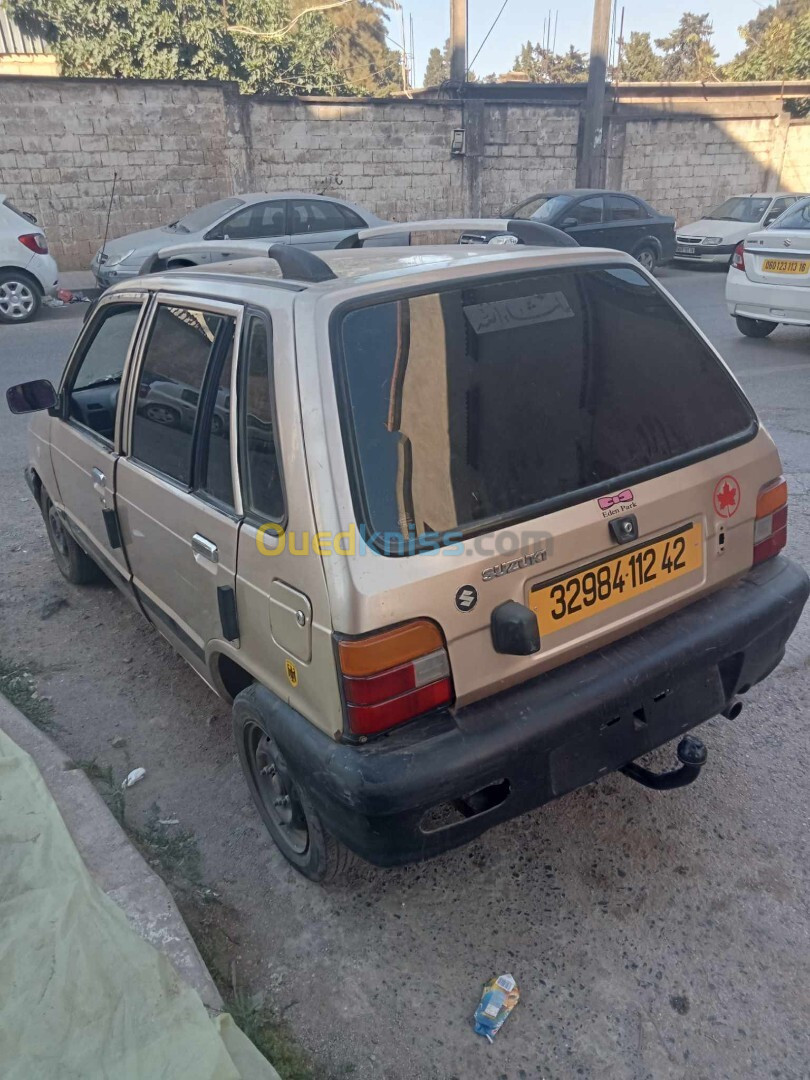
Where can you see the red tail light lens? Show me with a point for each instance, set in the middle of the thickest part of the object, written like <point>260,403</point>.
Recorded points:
<point>35,242</point>
<point>770,527</point>
<point>738,258</point>
<point>394,676</point>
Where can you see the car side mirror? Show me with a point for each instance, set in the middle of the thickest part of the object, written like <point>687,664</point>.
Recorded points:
<point>216,234</point>
<point>34,396</point>
<point>770,218</point>
<point>569,223</point>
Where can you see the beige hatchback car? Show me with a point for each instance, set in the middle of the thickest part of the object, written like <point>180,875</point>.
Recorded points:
<point>457,529</point>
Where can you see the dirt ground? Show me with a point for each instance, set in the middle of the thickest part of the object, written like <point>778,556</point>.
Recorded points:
<point>652,935</point>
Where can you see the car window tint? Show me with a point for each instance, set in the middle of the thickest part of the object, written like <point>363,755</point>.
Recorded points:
<point>311,215</point>
<point>169,389</point>
<point>95,385</point>
<point>624,209</point>
<point>586,212</point>
<point>240,226</point>
<point>492,401</point>
<point>350,219</point>
<point>797,217</point>
<point>269,219</point>
<point>262,475</point>
<point>215,478</point>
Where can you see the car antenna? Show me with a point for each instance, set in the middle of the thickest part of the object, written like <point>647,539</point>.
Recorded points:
<point>107,226</point>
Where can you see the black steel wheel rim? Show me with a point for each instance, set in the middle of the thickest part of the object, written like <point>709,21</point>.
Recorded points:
<point>276,790</point>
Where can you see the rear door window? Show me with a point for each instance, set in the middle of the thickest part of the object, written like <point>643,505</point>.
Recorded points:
<point>181,343</point>
<point>624,209</point>
<point>317,215</point>
<point>263,494</point>
<point>499,401</point>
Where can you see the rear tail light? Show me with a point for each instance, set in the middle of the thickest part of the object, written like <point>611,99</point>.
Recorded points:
<point>738,258</point>
<point>35,242</point>
<point>394,676</point>
<point>770,527</point>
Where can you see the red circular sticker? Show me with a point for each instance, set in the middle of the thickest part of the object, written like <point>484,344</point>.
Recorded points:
<point>727,497</point>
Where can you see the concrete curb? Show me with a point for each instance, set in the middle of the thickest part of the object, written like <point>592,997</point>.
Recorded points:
<point>117,867</point>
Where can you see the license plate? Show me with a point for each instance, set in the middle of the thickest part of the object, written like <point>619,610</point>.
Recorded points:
<point>684,249</point>
<point>786,266</point>
<point>617,579</point>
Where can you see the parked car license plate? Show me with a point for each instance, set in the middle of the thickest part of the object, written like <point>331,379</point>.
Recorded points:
<point>786,266</point>
<point>617,579</point>
<point>684,249</point>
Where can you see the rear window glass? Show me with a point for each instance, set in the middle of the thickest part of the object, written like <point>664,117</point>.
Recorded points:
<point>501,400</point>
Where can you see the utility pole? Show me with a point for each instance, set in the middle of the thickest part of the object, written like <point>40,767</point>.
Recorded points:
<point>458,41</point>
<point>590,160</point>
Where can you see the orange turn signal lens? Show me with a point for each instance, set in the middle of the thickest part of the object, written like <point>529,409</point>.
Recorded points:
<point>772,497</point>
<point>380,652</point>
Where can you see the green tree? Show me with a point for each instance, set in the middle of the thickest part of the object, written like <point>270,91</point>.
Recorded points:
<point>689,55</point>
<point>259,43</point>
<point>438,66</point>
<point>544,66</point>
<point>361,50</point>
<point>639,62</point>
<point>775,44</point>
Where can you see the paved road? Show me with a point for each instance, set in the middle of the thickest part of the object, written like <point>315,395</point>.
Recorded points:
<point>653,935</point>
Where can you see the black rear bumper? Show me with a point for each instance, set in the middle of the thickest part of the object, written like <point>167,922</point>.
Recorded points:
<point>548,736</point>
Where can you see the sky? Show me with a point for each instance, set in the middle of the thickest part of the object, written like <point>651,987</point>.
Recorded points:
<point>522,20</point>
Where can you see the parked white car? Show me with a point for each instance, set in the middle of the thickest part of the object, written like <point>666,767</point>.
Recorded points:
<point>769,279</point>
<point>714,237</point>
<point>27,271</point>
<point>217,230</point>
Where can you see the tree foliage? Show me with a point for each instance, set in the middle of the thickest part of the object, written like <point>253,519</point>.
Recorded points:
<point>438,66</point>
<point>250,41</point>
<point>689,55</point>
<point>639,62</point>
<point>543,65</point>
<point>361,49</point>
<point>777,44</point>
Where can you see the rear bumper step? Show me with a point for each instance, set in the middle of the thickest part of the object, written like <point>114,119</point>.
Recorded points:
<point>444,779</point>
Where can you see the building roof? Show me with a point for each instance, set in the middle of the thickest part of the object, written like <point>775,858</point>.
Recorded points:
<point>16,42</point>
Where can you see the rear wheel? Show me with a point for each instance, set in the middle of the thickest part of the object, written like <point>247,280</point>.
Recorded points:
<point>756,328</point>
<point>283,804</point>
<point>20,297</point>
<point>648,258</point>
<point>74,565</point>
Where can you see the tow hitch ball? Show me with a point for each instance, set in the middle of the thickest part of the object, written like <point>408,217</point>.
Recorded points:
<point>692,756</point>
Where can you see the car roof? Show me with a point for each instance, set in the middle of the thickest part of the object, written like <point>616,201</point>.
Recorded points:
<point>261,196</point>
<point>577,192</point>
<point>374,264</point>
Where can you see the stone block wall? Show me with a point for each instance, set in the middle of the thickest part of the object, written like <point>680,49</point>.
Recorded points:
<point>175,146</point>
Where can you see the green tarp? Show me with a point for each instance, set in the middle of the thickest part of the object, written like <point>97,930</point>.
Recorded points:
<point>82,996</point>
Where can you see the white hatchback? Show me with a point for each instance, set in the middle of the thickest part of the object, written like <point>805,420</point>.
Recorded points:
<point>769,279</point>
<point>27,271</point>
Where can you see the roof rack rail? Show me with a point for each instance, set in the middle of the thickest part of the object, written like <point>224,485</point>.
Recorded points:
<point>524,231</point>
<point>299,264</point>
<point>295,264</point>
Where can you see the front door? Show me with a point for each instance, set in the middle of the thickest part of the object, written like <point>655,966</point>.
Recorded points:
<point>584,220</point>
<point>177,500</point>
<point>84,436</point>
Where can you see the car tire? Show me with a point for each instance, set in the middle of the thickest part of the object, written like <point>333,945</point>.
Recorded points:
<point>164,415</point>
<point>755,328</point>
<point>648,257</point>
<point>74,565</point>
<point>283,804</point>
<point>20,297</point>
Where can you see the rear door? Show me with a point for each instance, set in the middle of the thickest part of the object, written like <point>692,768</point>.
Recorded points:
<point>566,437</point>
<point>176,493</point>
<point>627,223</point>
<point>584,220</point>
<point>84,436</point>
<point>318,224</point>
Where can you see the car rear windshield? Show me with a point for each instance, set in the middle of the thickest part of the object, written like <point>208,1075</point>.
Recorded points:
<point>507,398</point>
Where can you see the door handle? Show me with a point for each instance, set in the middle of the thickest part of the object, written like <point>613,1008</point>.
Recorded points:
<point>201,545</point>
<point>99,482</point>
